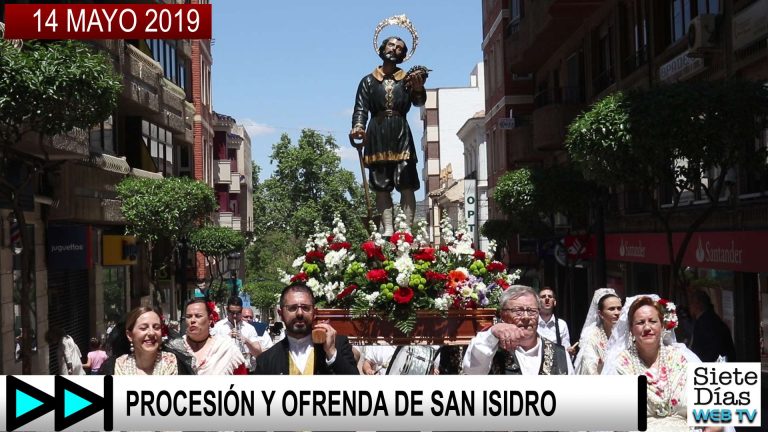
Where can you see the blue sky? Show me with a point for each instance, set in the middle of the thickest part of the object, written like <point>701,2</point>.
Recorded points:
<point>280,66</point>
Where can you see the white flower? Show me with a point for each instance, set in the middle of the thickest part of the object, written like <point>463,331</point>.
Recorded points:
<point>314,285</point>
<point>443,302</point>
<point>467,291</point>
<point>481,287</point>
<point>403,279</point>
<point>371,298</point>
<point>298,262</point>
<point>285,278</point>
<point>334,260</point>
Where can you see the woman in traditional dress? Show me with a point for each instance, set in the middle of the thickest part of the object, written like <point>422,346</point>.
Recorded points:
<point>604,312</point>
<point>211,355</point>
<point>642,342</point>
<point>138,350</point>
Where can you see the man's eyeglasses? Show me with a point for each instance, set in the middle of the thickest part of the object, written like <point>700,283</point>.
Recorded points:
<point>234,313</point>
<point>521,311</point>
<point>306,308</point>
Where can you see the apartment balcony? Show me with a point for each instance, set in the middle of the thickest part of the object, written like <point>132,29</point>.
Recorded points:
<point>222,171</point>
<point>142,79</point>
<point>234,141</point>
<point>234,186</point>
<point>556,108</point>
<point>237,222</point>
<point>173,101</point>
<point>230,220</point>
<point>547,24</point>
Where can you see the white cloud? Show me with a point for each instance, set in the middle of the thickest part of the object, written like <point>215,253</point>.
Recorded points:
<point>348,153</point>
<point>347,113</point>
<point>254,128</point>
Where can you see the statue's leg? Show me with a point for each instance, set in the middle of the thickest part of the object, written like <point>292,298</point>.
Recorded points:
<point>384,206</point>
<point>408,204</point>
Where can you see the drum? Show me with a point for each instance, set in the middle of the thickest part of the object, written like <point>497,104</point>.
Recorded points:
<point>412,360</point>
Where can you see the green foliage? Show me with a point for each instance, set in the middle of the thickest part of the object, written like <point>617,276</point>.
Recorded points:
<point>531,196</point>
<point>670,135</point>
<point>216,241</point>
<point>308,186</point>
<point>498,229</point>
<point>264,294</point>
<point>273,251</point>
<point>168,208</point>
<point>51,88</point>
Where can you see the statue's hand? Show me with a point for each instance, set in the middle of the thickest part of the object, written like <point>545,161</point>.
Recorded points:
<point>416,81</point>
<point>357,134</point>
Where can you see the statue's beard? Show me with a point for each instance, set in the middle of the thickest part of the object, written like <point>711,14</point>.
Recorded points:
<point>391,57</point>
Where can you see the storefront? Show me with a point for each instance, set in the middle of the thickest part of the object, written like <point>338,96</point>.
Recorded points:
<point>730,266</point>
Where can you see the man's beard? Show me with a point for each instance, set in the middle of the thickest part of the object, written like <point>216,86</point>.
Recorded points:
<point>304,330</point>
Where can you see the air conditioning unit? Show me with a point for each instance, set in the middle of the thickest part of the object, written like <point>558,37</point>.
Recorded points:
<point>702,35</point>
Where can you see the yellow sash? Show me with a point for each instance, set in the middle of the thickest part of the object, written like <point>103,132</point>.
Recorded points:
<point>309,369</point>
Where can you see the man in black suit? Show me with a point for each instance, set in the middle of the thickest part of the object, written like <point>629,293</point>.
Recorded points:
<point>711,336</point>
<point>297,354</point>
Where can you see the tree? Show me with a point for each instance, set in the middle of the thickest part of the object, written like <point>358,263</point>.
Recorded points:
<point>682,138</point>
<point>215,243</point>
<point>264,294</point>
<point>307,187</point>
<point>45,90</point>
<point>167,209</point>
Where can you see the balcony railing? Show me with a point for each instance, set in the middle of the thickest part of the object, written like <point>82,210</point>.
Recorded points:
<point>223,172</point>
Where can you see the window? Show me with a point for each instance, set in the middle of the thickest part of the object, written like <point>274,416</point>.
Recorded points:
<point>174,66</point>
<point>102,138</point>
<point>604,58</point>
<point>756,181</point>
<point>159,141</point>
<point>707,7</point>
<point>680,14</point>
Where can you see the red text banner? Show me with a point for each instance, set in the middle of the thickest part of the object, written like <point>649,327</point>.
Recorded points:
<point>108,21</point>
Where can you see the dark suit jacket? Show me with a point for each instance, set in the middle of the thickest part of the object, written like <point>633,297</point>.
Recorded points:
<point>275,360</point>
<point>712,338</point>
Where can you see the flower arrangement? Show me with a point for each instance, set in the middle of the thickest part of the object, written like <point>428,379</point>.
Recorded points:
<point>670,314</point>
<point>400,275</point>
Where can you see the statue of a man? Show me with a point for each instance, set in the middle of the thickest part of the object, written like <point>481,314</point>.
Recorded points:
<point>390,154</point>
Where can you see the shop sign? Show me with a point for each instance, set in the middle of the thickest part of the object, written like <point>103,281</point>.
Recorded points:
<point>680,67</point>
<point>470,205</point>
<point>118,250</point>
<point>68,247</point>
<point>725,250</point>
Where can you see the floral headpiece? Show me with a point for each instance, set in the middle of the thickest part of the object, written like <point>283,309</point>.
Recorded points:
<point>670,314</point>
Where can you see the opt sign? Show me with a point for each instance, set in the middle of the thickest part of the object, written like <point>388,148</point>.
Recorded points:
<point>470,205</point>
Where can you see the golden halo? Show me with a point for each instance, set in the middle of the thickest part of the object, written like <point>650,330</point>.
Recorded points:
<point>400,21</point>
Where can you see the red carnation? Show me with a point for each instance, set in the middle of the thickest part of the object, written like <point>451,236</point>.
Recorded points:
<point>300,277</point>
<point>433,276</point>
<point>496,267</point>
<point>403,295</point>
<point>502,283</point>
<point>372,251</point>
<point>663,302</point>
<point>314,256</point>
<point>425,254</point>
<point>347,291</point>
<point>479,255</point>
<point>377,275</point>
<point>330,238</point>
<point>444,248</point>
<point>211,306</point>
<point>398,235</point>
<point>670,325</point>
<point>339,246</point>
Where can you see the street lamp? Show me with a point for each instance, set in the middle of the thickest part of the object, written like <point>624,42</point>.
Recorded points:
<point>233,264</point>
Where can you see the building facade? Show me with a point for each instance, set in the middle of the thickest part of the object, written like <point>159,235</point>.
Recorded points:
<point>547,61</point>
<point>87,272</point>
<point>444,113</point>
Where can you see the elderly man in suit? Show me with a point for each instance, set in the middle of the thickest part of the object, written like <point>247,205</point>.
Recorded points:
<point>297,354</point>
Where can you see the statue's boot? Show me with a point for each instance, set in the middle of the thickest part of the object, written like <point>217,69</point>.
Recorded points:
<point>408,204</point>
<point>385,208</point>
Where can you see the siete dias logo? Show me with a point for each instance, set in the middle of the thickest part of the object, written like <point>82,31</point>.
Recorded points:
<point>71,402</point>
<point>627,249</point>
<point>724,394</point>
